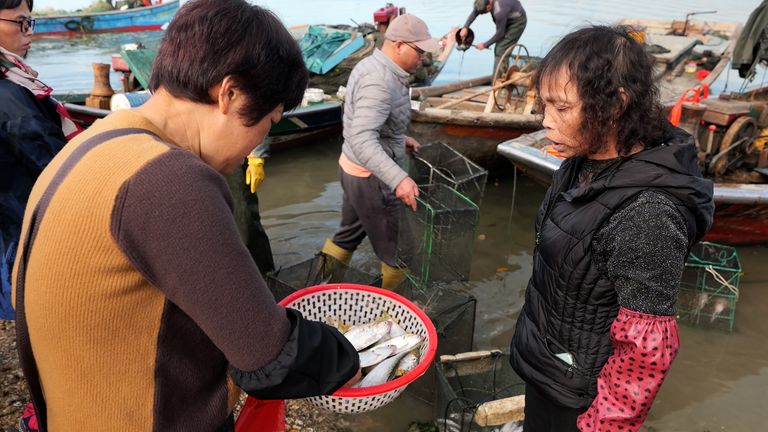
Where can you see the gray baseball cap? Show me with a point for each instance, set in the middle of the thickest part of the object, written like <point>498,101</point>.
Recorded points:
<point>410,28</point>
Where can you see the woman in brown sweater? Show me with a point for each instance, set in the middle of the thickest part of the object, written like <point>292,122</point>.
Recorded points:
<point>136,298</point>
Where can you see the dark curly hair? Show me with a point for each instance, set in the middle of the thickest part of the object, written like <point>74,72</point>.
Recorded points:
<point>605,62</point>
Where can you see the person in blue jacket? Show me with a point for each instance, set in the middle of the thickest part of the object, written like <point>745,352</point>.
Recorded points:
<point>33,128</point>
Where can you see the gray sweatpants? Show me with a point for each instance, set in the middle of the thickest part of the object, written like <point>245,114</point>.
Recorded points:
<point>369,207</point>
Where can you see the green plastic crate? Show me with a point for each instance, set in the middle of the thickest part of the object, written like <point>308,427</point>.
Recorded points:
<point>709,288</point>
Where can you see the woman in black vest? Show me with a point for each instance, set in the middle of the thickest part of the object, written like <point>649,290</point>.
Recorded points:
<point>597,333</point>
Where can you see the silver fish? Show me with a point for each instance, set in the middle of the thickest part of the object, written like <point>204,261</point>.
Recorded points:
<point>396,330</point>
<point>375,355</point>
<point>404,343</point>
<point>364,335</point>
<point>701,301</point>
<point>512,427</point>
<point>718,308</point>
<point>380,374</point>
<point>407,363</point>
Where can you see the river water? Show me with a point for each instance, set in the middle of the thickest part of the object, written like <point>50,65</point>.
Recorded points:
<point>718,382</point>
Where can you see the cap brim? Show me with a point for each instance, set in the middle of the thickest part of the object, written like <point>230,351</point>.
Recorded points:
<point>429,45</point>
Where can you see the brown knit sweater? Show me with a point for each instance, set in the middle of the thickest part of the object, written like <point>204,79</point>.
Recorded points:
<point>139,292</point>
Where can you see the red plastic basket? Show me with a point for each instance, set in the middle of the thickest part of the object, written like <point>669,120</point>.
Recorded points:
<point>359,304</point>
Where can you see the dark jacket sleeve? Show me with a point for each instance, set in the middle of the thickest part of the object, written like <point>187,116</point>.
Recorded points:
<point>29,129</point>
<point>316,360</point>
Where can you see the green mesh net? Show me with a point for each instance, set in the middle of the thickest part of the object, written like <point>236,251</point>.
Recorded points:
<point>320,270</point>
<point>435,241</point>
<point>439,163</point>
<point>467,382</point>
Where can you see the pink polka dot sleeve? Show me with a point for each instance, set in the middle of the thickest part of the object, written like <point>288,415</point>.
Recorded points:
<point>644,347</point>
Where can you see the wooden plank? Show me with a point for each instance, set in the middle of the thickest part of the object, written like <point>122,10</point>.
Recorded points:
<point>725,59</point>
<point>678,46</point>
<point>501,411</point>
<point>425,92</point>
<point>140,63</point>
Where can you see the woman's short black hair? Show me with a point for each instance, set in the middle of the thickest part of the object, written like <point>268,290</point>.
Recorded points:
<point>12,4</point>
<point>601,60</point>
<point>209,40</point>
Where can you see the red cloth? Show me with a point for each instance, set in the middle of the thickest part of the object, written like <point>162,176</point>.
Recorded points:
<point>644,347</point>
<point>261,416</point>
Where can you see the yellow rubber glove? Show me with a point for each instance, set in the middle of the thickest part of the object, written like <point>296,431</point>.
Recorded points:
<point>254,174</point>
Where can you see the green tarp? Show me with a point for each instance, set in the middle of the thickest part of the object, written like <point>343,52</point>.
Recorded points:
<point>318,44</point>
<point>752,45</point>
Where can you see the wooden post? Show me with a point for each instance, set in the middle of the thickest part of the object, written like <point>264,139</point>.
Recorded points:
<point>102,92</point>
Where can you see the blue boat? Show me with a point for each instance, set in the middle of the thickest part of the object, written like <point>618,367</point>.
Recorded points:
<point>136,19</point>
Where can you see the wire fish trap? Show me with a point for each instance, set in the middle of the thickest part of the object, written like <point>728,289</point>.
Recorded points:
<point>439,163</point>
<point>435,241</point>
<point>357,304</point>
<point>320,270</point>
<point>452,310</point>
<point>709,288</point>
<point>478,391</point>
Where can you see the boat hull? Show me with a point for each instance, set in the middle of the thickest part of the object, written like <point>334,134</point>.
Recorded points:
<point>741,210</point>
<point>136,19</point>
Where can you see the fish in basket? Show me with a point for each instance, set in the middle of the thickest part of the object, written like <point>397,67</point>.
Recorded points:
<point>392,360</point>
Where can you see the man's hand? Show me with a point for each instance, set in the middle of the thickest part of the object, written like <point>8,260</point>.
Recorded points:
<point>407,191</point>
<point>354,379</point>
<point>254,174</point>
<point>480,46</point>
<point>411,145</point>
<point>463,34</point>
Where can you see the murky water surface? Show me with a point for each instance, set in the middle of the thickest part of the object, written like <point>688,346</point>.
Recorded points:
<point>718,382</point>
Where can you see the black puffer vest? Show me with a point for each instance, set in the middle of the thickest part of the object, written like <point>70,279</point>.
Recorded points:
<point>569,305</point>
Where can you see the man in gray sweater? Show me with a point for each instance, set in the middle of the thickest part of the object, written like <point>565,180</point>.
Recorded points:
<point>376,115</point>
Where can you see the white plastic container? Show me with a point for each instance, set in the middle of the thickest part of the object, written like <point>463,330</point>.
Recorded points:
<point>314,95</point>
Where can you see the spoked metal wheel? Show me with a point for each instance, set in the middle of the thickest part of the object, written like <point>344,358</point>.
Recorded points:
<point>515,60</point>
<point>741,135</point>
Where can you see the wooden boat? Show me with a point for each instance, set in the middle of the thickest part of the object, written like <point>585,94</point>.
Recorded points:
<point>128,20</point>
<point>323,117</point>
<point>686,42</point>
<point>741,209</point>
<point>473,116</point>
<point>296,127</point>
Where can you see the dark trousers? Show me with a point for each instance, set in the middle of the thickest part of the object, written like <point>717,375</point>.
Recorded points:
<point>369,208</point>
<point>541,415</point>
<point>515,28</point>
<point>249,221</point>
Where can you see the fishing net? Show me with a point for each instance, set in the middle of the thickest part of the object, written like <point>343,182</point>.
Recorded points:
<point>478,392</point>
<point>452,310</point>
<point>320,270</point>
<point>439,163</point>
<point>709,288</point>
<point>435,241</point>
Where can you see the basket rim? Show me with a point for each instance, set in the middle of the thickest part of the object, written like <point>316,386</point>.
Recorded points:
<point>394,384</point>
